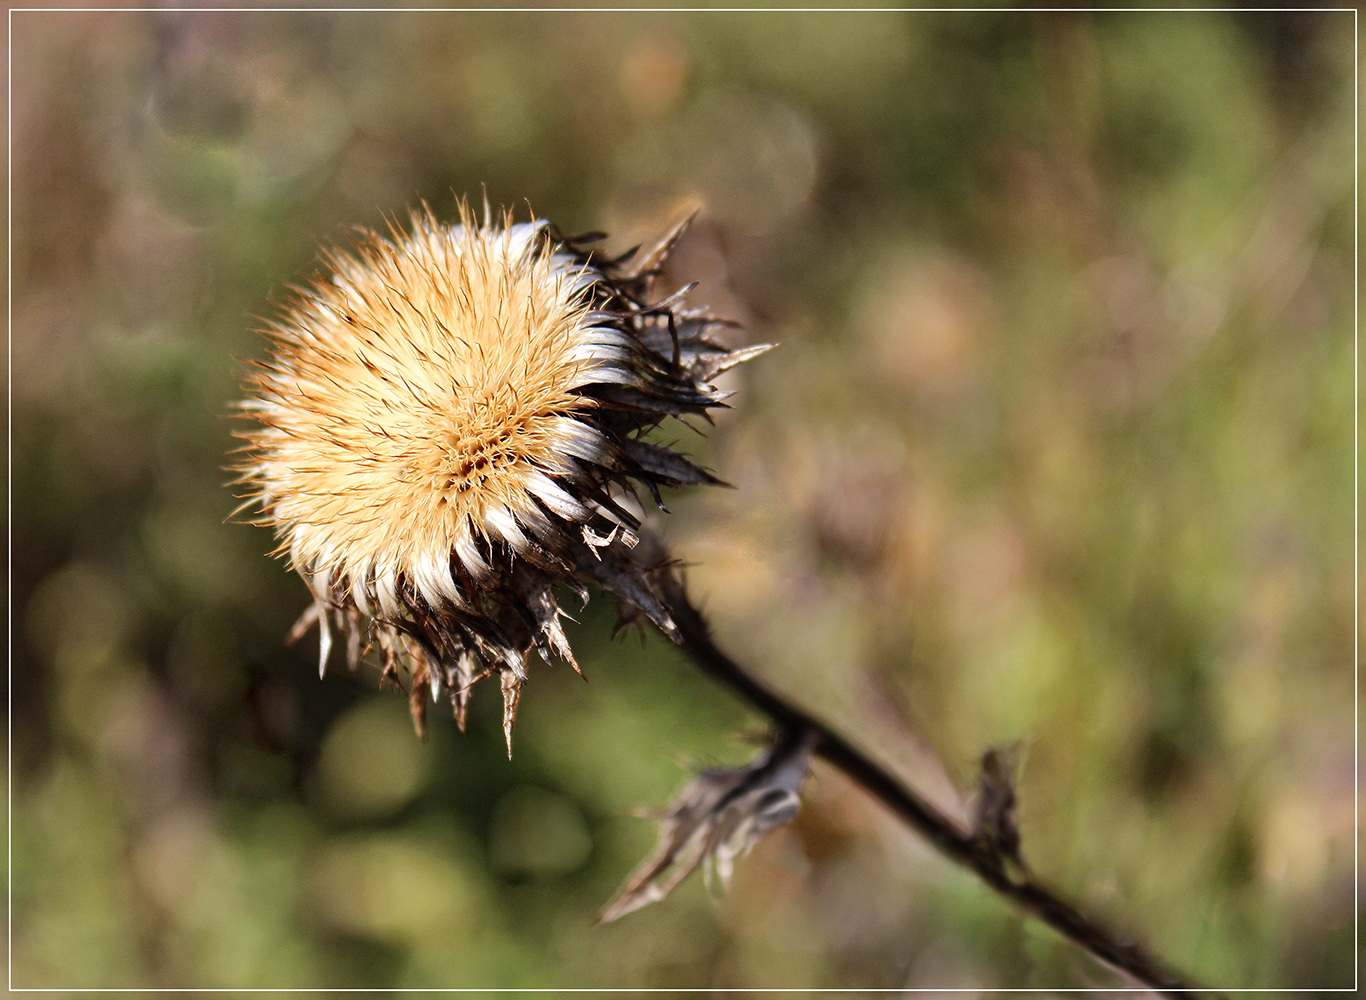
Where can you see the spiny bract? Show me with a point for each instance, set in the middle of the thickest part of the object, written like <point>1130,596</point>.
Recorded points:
<point>451,425</point>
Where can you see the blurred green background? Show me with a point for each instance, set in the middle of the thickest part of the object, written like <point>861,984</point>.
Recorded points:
<point>1057,449</point>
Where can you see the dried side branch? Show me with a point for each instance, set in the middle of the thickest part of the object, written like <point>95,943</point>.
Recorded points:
<point>964,847</point>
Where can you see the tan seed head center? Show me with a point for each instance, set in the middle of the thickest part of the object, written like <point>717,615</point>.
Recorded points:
<point>415,394</point>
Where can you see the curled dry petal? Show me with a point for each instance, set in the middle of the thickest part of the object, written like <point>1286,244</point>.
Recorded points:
<point>716,817</point>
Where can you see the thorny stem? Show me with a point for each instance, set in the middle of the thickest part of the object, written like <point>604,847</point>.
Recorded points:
<point>952,841</point>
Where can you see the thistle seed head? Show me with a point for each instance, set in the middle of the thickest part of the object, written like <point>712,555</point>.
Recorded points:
<point>450,424</point>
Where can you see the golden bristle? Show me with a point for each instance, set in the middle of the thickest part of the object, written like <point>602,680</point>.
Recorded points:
<point>414,398</point>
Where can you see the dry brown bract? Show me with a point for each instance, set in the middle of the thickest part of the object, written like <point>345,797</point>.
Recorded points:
<point>716,817</point>
<point>451,425</point>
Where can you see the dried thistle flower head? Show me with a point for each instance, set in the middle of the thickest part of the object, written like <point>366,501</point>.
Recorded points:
<point>451,425</point>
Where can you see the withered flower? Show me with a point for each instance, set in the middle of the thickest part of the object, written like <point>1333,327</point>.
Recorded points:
<point>453,422</point>
<point>995,823</point>
<point>716,817</point>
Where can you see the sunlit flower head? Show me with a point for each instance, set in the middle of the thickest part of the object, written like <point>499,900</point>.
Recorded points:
<point>451,425</point>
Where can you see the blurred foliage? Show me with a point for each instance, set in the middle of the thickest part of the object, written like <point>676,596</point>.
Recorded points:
<point>1057,448</point>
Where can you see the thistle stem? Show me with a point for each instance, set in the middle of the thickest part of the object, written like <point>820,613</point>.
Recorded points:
<point>947,836</point>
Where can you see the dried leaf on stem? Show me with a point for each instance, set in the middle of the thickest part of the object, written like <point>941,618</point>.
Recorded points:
<point>716,817</point>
